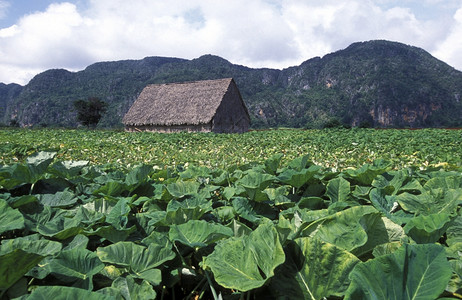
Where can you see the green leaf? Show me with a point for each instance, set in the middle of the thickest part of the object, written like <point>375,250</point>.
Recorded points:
<point>138,175</point>
<point>254,183</point>
<point>427,229</point>
<point>454,232</point>
<point>59,199</point>
<point>199,233</point>
<point>16,202</point>
<point>61,227</point>
<point>299,163</point>
<point>113,189</point>
<point>411,272</point>
<point>248,262</point>
<point>444,182</point>
<point>392,181</point>
<point>78,263</point>
<point>297,178</point>
<point>118,217</point>
<point>272,163</point>
<point>431,202</point>
<point>64,292</point>
<point>15,264</point>
<point>41,247</point>
<point>244,209</point>
<point>110,233</point>
<point>313,269</point>
<point>68,169</point>
<point>136,257</point>
<point>181,189</point>
<point>338,189</point>
<point>344,229</point>
<point>367,173</point>
<point>188,209</point>
<point>380,230</point>
<point>131,290</point>
<point>388,206</point>
<point>10,219</point>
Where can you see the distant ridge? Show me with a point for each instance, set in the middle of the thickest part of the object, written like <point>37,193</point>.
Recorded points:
<point>375,83</point>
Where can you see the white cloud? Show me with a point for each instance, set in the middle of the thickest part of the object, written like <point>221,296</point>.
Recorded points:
<point>450,49</point>
<point>258,33</point>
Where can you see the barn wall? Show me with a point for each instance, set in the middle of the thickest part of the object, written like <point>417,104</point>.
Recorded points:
<point>173,128</point>
<point>231,116</point>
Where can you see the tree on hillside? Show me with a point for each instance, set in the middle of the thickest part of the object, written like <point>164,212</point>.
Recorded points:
<point>90,111</point>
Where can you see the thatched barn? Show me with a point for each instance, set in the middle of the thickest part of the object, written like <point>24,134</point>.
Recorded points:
<point>205,106</point>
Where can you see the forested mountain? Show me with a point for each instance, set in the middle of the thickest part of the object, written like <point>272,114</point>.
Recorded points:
<point>376,83</point>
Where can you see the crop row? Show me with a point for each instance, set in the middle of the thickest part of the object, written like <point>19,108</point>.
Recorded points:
<point>338,149</point>
<point>284,229</point>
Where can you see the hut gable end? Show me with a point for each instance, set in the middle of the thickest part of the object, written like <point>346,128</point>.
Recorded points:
<point>208,105</point>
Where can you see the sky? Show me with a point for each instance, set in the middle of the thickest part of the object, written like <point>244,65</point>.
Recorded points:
<point>37,35</point>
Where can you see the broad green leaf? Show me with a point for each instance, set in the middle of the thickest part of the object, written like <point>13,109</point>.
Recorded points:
<point>454,232</point>
<point>388,205</point>
<point>367,173</point>
<point>244,209</point>
<point>272,163</point>
<point>224,213</point>
<point>248,262</point>
<point>113,189</point>
<point>239,229</point>
<point>118,217</point>
<point>60,199</point>
<point>427,228</point>
<point>380,230</point>
<point>393,181</point>
<point>131,290</point>
<point>313,269</point>
<point>431,202</point>
<point>64,292</point>
<point>181,188</point>
<point>138,175</point>
<point>444,182</point>
<point>345,229</point>
<point>41,158</point>
<point>188,209</point>
<point>34,169</point>
<point>80,241</point>
<point>41,247</point>
<point>78,263</point>
<point>67,224</point>
<point>254,183</point>
<point>387,248</point>
<point>110,233</point>
<point>298,178</point>
<point>68,169</point>
<point>15,264</point>
<point>16,202</point>
<point>136,257</point>
<point>198,233</point>
<point>299,163</point>
<point>10,219</point>
<point>411,272</point>
<point>338,189</point>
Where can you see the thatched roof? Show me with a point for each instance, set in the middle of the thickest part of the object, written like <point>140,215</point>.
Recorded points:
<point>188,103</point>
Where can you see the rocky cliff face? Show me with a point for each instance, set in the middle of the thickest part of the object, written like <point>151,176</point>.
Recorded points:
<point>379,83</point>
<point>7,94</point>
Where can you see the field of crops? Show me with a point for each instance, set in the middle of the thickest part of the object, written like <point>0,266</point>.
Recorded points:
<point>284,214</point>
<point>329,148</point>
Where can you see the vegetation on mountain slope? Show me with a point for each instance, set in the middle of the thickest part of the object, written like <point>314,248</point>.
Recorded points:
<point>376,83</point>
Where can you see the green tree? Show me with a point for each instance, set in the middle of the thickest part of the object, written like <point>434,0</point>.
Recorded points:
<point>90,111</point>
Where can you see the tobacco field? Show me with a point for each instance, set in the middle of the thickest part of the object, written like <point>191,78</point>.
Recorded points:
<point>283,214</point>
